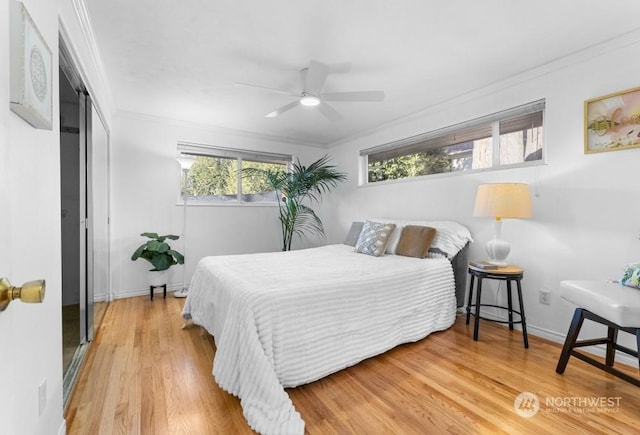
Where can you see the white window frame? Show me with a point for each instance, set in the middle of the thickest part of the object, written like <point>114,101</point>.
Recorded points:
<point>186,148</point>
<point>492,120</point>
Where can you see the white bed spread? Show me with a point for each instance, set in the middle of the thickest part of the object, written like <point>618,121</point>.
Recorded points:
<point>288,318</point>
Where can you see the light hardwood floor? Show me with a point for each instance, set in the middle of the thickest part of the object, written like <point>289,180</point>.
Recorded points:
<point>144,375</point>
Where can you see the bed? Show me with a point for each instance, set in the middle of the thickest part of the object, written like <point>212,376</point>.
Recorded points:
<point>284,319</point>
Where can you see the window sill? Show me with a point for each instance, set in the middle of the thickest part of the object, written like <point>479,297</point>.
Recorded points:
<point>228,204</point>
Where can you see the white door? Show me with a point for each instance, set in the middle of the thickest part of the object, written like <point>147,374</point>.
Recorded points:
<point>30,338</point>
<point>30,334</point>
<point>6,324</point>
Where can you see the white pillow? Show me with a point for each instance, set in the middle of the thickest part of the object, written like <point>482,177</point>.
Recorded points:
<point>450,237</point>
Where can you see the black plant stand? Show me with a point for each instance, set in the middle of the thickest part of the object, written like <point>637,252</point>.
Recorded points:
<point>164,290</point>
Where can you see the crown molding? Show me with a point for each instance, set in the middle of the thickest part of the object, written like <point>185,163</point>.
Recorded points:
<point>583,55</point>
<point>103,101</point>
<point>82,15</point>
<point>217,129</point>
<point>80,8</point>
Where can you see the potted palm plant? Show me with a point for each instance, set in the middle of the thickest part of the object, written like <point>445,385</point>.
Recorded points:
<point>158,252</point>
<point>294,190</point>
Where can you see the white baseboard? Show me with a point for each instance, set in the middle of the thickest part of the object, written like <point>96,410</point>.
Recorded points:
<point>144,291</point>
<point>102,298</point>
<point>63,428</point>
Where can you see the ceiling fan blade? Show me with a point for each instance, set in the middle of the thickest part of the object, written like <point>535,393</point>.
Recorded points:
<point>280,110</point>
<point>361,96</point>
<point>264,88</point>
<point>315,77</point>
<point>339,68</point>
<point>329,112</point>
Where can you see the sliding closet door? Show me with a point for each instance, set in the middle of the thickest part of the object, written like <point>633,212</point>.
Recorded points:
<point>97,212</point>
<point>87,279</point>
<point>86,297</point>
<point>98,166</point>
<point>84,173</point>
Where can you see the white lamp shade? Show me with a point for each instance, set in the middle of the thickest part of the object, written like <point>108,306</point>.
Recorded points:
<point>503,200</point>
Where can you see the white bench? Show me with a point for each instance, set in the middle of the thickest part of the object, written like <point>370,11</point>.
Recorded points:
<point>611,304</point>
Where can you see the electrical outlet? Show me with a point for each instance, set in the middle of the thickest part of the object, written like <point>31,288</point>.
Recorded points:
<point>545,297</point>
<point>42,396</point>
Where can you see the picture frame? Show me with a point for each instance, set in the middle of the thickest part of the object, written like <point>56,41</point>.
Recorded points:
<point>612,122</point>
<point>30,62</point>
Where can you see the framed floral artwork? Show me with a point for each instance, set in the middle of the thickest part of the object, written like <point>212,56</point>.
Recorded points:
<point>30,70</point>
<point>612,122</point>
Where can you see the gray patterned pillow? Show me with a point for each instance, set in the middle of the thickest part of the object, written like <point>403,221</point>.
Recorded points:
<point>374,237</point>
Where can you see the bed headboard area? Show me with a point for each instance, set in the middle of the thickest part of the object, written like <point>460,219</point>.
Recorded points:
<point>460,264</point>
<point>451,240</point>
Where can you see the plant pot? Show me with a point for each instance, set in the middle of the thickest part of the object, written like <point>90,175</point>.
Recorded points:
<point>157,278</point>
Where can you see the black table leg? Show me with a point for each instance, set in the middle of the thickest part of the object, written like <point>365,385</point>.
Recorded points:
<point>510,305</point>
<point>522,317</point>
<point>638,342</point>
<point>476,323</point>
<point>570,341</point>
<point>470,299</point>
<point>612,338</point>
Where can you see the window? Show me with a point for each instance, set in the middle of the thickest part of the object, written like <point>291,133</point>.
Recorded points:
<point>215,176</point>
<point>504,139</point>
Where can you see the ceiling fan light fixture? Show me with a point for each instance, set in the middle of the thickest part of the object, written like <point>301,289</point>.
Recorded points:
<point>313,79</point>
<point>309,100</point>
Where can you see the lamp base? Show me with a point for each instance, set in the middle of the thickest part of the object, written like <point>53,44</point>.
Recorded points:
<point>498,250</point>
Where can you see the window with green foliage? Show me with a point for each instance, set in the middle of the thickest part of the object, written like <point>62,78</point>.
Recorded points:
<point>504,139</point>
<point>215,176</point>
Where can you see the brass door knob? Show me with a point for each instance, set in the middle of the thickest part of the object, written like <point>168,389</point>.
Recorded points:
<point>31,292</point>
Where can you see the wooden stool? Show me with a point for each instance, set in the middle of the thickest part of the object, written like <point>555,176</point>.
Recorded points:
<point>503,273</point>
<point>607,303</point>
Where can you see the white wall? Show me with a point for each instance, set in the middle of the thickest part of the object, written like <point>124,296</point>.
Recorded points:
<point>145,198</point>
<point>585,223</point>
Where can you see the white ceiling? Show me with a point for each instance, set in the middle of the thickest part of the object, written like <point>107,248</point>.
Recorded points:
<point>180,59</point>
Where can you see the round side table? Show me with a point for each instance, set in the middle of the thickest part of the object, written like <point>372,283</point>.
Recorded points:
<point>509,274</point>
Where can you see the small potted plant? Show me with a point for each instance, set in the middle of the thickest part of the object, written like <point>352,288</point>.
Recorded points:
<point>158,252</point>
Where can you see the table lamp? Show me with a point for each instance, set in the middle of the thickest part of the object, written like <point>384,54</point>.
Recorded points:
<point>500,201</point>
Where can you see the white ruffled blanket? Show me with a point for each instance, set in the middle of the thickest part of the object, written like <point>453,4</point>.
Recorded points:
<point>288,318</point>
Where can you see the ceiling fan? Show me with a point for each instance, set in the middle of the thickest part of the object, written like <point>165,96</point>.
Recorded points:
<point>313,79</point>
